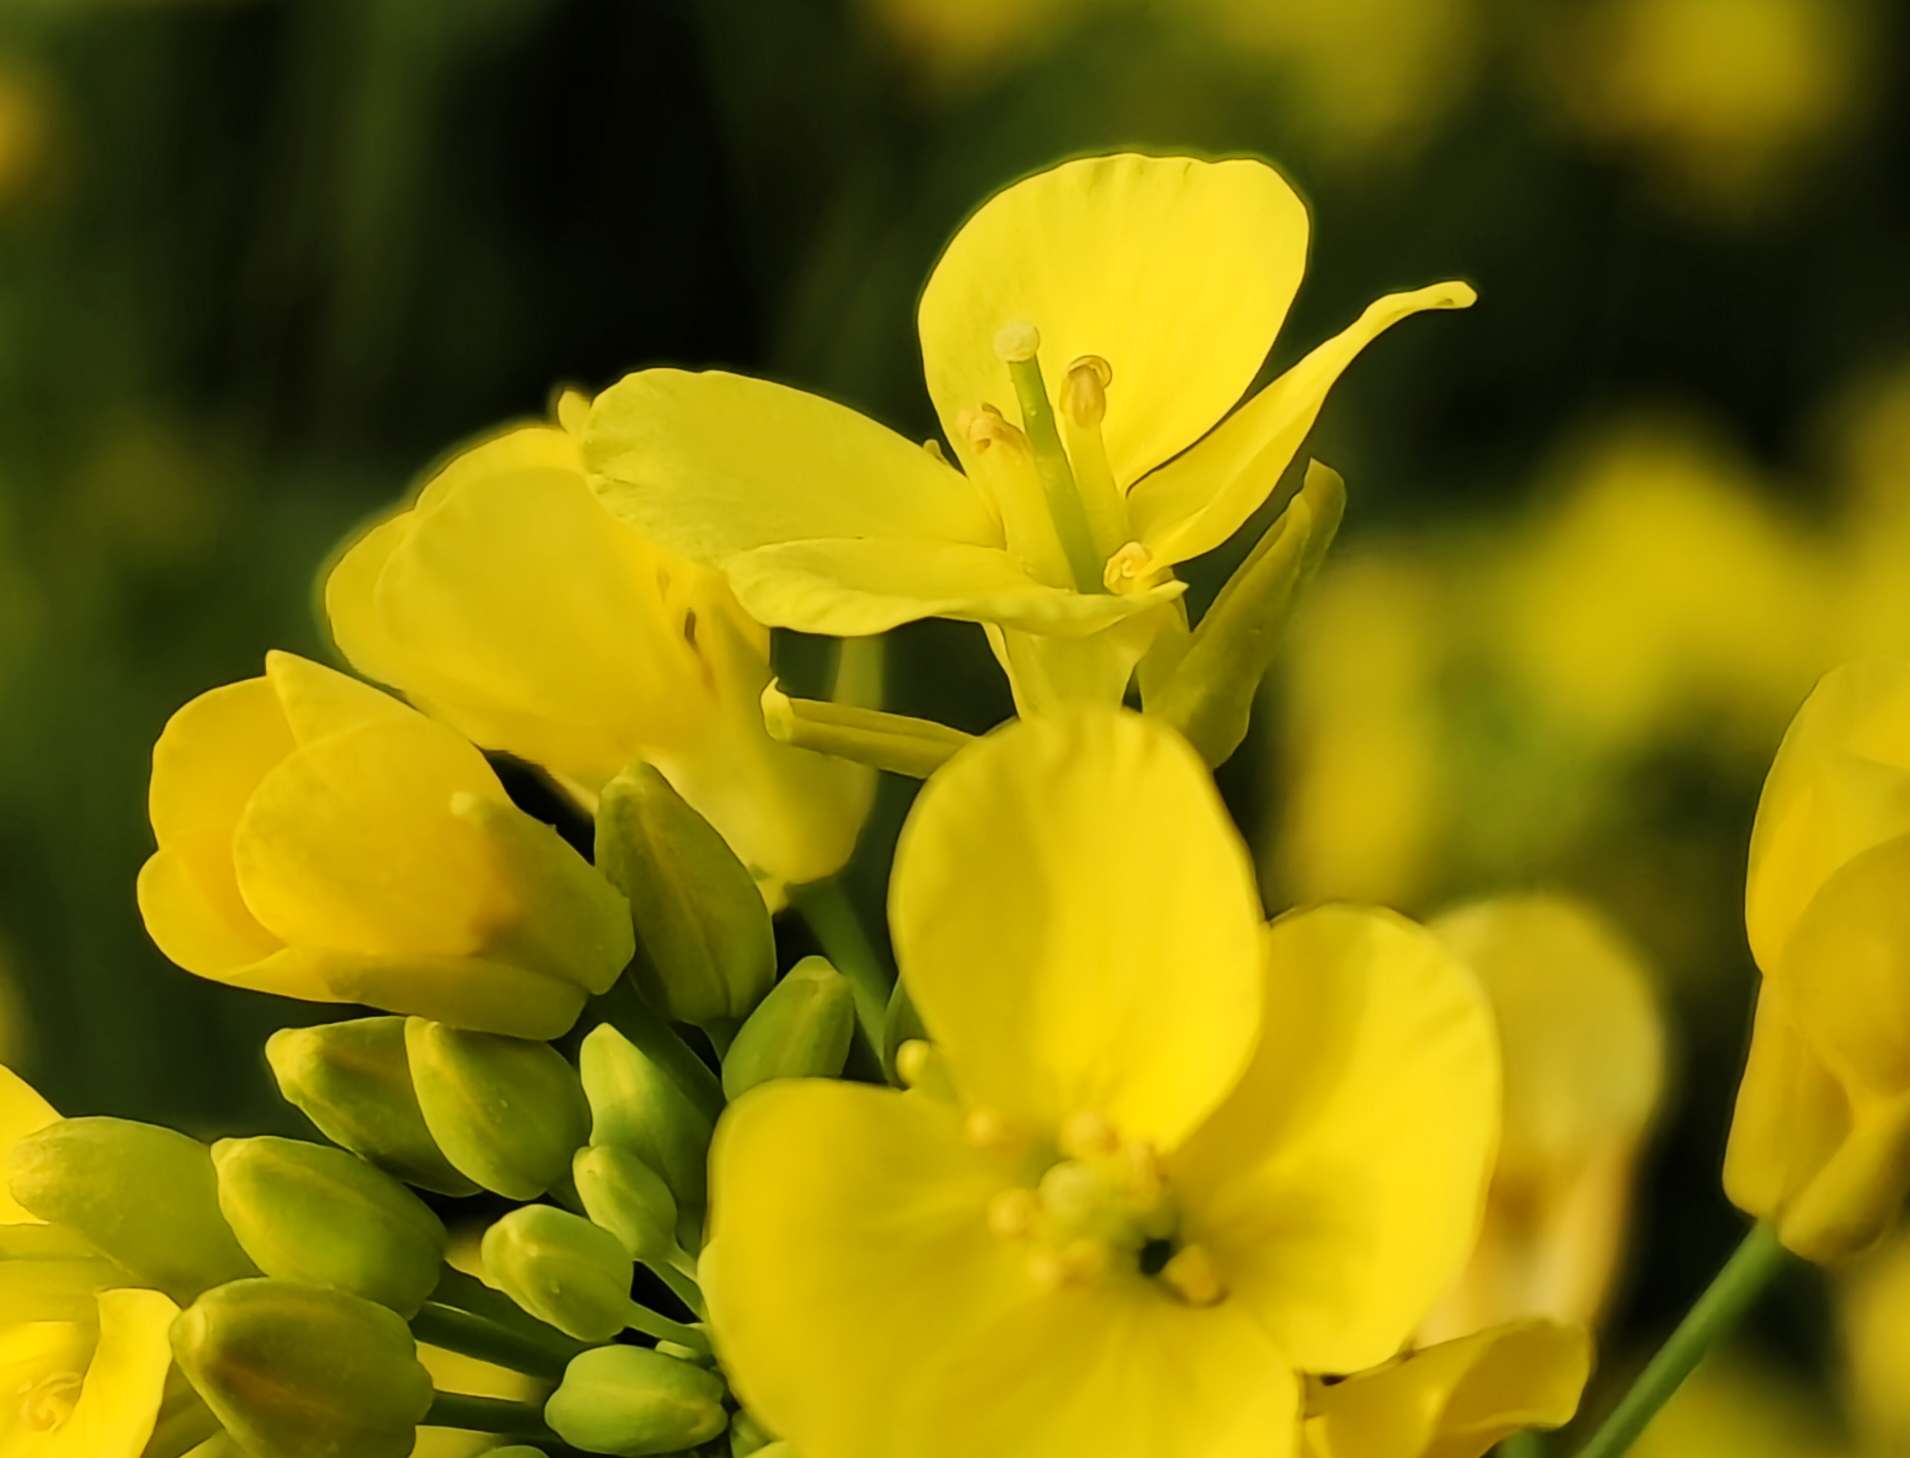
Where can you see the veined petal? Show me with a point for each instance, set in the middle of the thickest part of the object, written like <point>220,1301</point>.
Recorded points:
<point>1790,1115</point>
<point>125,1382</point>
<point>848,588</point>
<point>1177,272</point>
<point>1839,784</point>
<point>1198,500</point>
<point>350,844</point>
<point>1456,1399</point>
<point>1077,921</point>
<point>22,1112</point>
<point>1339,1188</point>
<point>714,464</point>
<point>865,1309</point>
<point>189,900</point>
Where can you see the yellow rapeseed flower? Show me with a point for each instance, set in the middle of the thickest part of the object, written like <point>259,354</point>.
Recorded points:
<point>1584,1050</point>
<point>320,840</point>
<point>1178,1156</point>
<point>1820,1144</point>
<point>508,603</point>
<point>82,1370</point>
<point>1082,335</point>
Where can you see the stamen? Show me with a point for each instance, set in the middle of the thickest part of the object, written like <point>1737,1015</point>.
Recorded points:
<point>1191,1275</point>
<point>1013,1214</point>
<point>989,1129</point>
<point>1084,391</point>
<point>1016,344</point>
<point>988,427</point>
<point>1087,1134</point>
<point>1084,404</point>
<point>1130,569</point>
<point>934,448</point>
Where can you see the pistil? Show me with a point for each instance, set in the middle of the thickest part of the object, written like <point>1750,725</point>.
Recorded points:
<point>1017,345</point>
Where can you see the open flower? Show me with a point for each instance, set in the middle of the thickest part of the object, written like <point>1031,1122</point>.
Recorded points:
<point>1081,336</point>
<point>508,603</point>
<point>82,1370</point>
<point>320,840</point>
<point>1820,1144</point>
<point>1181,1157</point>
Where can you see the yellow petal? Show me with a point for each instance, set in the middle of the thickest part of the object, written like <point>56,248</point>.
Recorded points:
<point>852,587</point>
<point>1839,784</point>
<point>125,1382</point>
<point>317,700</point>
<point>864,1308</point>
<point>714,464</point>
<point>1457,1399</point>
<point>350,844</point>
<point>478,994</point>
<point>1339,1187</point>
<point>1047,671</point>
<point>1076,919</point>
<point>1175,271</point>
<point>22,1112</point>
<point>1790,1118</point>
<point>1194,503</point>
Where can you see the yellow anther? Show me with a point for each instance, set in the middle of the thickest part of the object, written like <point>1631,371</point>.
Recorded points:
<point>934,448</point>
<point>1141,1164</point>
<point>1016,341</point>
<point>1190,1274</point>
<point>1013,1214</point>
<point>987,427</point>
<point>922,1069</point>
<point>1085,1259</point>
<point>1086,1134</point>
<point>1129,568</point>
<point>989,1129</point>
<point>1084,390</point>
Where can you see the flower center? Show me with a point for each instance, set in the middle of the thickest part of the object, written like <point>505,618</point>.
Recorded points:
<point>1102,1209</point>
<point>45,1405</point>
<point>1063,513</point>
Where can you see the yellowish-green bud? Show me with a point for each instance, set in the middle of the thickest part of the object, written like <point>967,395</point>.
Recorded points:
<point>50,1274</point>
<point>310,1213</point>
<point>633,1402</point>
<point>705,950</point>
<point>294,1371</point>
<point>629,1199</point>
<point>353,1081</point>
<point>634,1103</point>
<point>561,1269</point>
<point>508,1113</point>
<point>143,1196</point>
<point>747,1436</point>
<point>802,1030</point>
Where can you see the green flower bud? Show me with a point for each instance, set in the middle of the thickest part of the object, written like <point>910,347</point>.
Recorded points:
<point>629,1199</point>
<point>508,1113</point>
<point>143,1196</point>
<point>561,1269</point>
<point>801,1030</point>
<point>319,1215</point>
<point>705,950</point>
<point>634,1103</point>
<point>353,1081</point>
<point>51,1274</point>
<point>295,1371</point>
<point>631,1401</point>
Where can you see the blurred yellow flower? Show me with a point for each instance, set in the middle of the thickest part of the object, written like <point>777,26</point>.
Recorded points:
<point>319,840</point>
<point>1874,1318</point>
<point>24,130</point>
<point>1820,1144</point>
<point>1181,1153</point>
<point>1456,1399</point>
<point>1725,97</point>
<point>508,603</point>
<point>1583,1048</point>
<point>1733,1406</point>
<point>1117,307</point>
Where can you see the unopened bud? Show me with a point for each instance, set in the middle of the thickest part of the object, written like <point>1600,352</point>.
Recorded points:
<point>705,950</point>
<point>310,1213</point>
<point>634,1402</point>
<point>143,1196</point>
<point>294,1371</point>
<point>353,1081</point>
<point>802,1030</point>
<point>634,1103</point>
<point>562,1270</point>
<point>508,1113</point>
<point>629,1199</point>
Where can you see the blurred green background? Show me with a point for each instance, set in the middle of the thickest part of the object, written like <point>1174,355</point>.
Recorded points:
<point>261,263</point>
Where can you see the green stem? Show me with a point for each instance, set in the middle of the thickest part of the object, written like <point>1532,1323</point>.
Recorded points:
<point>465,1332</point>
<point>826,908</point>
<point>1744,1277</point>
<point>722,1032</point>
<point>682,1285</point>
<point>486,1415</point>
<point>626,1011</point>
<point>1521,1445</point>
<point>642,1318</point>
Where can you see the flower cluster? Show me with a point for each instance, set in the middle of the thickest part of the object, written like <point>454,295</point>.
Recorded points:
<point>1116,1165</point>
